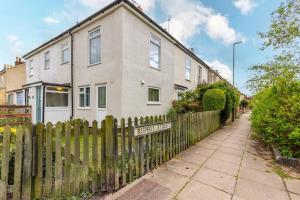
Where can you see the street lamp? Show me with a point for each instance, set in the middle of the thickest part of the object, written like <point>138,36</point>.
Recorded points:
<point>233,58</point>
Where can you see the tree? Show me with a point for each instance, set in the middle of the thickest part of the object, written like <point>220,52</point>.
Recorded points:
<point>284,32</point>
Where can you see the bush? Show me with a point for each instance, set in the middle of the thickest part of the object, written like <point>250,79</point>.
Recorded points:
<point>276,116</point>
<point>213,99</point>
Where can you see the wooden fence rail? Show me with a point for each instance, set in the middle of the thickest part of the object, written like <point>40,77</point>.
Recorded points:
<point>69,158</point>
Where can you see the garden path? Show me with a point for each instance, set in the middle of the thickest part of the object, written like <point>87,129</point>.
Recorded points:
<point>228,164</point>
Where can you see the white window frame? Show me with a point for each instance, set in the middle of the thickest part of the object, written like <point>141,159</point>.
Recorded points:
<point>31,69</point>
<point>97,91</point>
<point>200,74</point>
<point>57,91</point>
<point>85,97</point>
<point>159,96</point>
<point>47,60</point>
<point>93,37</point>
<point>157,42</point>
<point>188,69</point>
<point>65,47</point>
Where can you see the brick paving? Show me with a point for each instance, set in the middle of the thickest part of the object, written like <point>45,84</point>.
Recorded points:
<point>225,165</point>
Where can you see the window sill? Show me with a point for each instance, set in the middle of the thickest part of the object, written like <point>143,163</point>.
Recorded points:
<point>84,108</point>
<point>30,76</point>
<point>65,63</point>
<point>91,65</point>
<point>189,80</point>
<point>158,69</point>
<point>153,103</point>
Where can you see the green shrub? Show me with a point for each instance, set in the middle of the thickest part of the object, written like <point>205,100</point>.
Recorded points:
<point>276,116</point>
<point>213,99</point>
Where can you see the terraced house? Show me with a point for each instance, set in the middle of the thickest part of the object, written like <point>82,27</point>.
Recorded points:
<point>117,61</point>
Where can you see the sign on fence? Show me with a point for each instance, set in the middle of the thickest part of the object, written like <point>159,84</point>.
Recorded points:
<point>150,129</point>
<point>14,115</point>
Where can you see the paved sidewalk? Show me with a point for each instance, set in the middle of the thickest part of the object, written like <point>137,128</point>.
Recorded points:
<point>225,165</point>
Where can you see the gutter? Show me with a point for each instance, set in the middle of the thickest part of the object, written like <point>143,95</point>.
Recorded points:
<point>43,107</point>
<point>72,76</point>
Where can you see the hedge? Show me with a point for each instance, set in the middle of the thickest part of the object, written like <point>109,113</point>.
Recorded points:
<point>214,99</point>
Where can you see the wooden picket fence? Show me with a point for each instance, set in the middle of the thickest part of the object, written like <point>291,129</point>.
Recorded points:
<point>66,159</point>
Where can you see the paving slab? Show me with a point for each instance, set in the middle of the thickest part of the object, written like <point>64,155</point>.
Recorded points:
<point>293,185</point>
<point>192,158</point>
<point>222,166</point>
<point>230,151</point>
<point>216,179</point>
<point>294,196</point>
<point>228,158</point>
<point>267,178</point>
<point>201,151</point>
<point>182,167</point>
<point>252,190</point>
<point>198,191</point>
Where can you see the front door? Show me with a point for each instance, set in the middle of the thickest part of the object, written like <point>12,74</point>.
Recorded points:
<point>101,102</point>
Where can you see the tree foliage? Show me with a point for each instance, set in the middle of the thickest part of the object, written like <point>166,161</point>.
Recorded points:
<point>284,31</point>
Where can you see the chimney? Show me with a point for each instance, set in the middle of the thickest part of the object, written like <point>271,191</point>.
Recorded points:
<point>192,50</point>
<point>18,61</point>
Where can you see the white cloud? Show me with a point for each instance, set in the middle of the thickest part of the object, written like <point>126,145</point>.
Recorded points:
<point>16,45</point>
<point>245,6</point>
<point>12,38</point>
<point>189,17</point>
<point>51,20</point>
<point>223,69</point>
<point>218,28</point>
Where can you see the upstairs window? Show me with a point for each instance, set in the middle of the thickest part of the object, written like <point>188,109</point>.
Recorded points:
<point>65,54</point>
<point>95,46</point>
<point>47,60</point>
<point>84,97</point>
<point>199,74</point>
<point>154,57</point>
<point>30,68</point>
<point>188,66</point>
<point>153,95</point>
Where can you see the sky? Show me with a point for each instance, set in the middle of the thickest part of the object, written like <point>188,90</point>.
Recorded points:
<point>210,27</point>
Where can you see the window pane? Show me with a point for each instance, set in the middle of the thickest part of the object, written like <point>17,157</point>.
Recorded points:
<point>102,97</point>
<point>153,95</point>
<point>65,55</point>
<point>81,100</point>
<point>154,55</point>
<point>95,50</point>
<point>95,33</point>
<point>56,99</point>
<point>19,98</point>
<point>87,97</point>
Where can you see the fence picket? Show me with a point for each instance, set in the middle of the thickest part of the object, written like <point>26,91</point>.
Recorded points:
<point>27,164</point>
<point>18,163</point>
<point>116,155</point>
<point>77,178</point>
<point>5,163</point>
<point>48,176</point>
<point>86,157</point>
<point>123,152</point>
<point>58,160</point>
<point>67,165</point>
<point>130,158</point>
<point>38,181</point>
<point>95,156</point>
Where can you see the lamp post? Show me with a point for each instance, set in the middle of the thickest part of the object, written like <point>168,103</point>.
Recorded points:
<point>233,59</point>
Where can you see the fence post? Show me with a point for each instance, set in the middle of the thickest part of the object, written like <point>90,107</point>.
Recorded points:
<point>109,153</point>
<point>27,164</point>
<point>5,163</point>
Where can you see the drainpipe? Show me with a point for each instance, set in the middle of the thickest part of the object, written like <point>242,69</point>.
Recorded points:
<point>43,87</point>
<point>72,76</point>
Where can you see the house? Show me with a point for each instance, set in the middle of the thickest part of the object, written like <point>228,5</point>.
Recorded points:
<point>15,79</point>
<point>116,62</point>
<point>2,86</point>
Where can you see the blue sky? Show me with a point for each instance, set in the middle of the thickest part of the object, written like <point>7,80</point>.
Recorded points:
<point>210,27</point>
